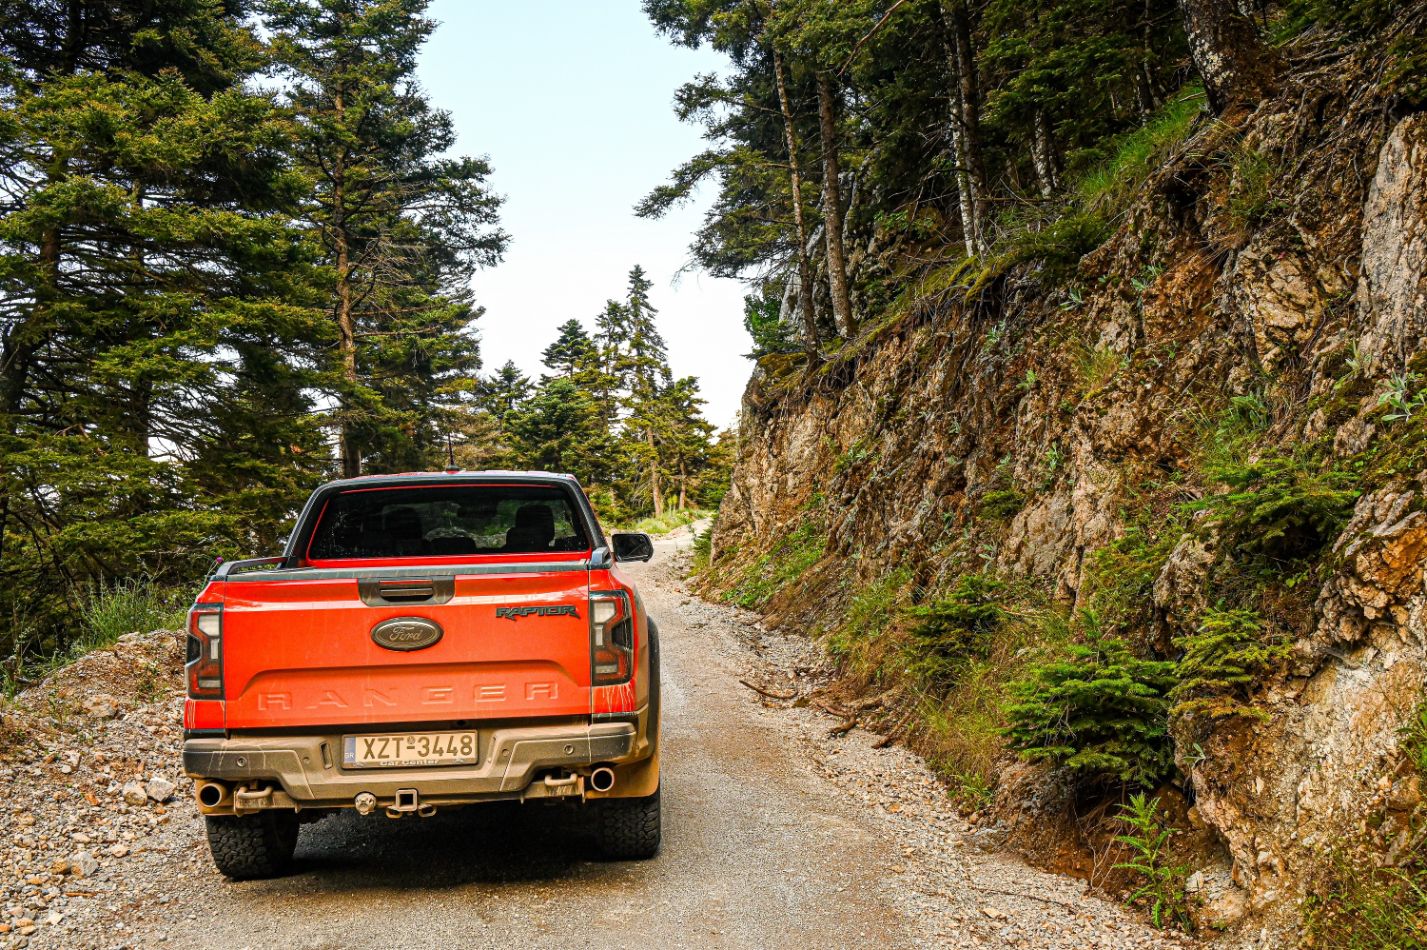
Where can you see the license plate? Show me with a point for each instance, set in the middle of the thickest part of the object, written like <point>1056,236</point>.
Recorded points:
<point>409,750</point>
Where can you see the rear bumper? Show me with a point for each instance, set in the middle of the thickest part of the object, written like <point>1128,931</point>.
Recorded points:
<point>539,761</point>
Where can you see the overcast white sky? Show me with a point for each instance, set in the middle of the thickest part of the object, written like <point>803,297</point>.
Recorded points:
<point>571,100</point>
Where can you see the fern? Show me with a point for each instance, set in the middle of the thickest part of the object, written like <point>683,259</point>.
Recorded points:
<point>1161,884</point>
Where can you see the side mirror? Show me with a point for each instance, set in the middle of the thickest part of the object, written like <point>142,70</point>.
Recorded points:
<point>632,546</point>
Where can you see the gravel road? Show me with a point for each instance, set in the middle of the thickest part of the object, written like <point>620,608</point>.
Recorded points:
<point>777,834</point>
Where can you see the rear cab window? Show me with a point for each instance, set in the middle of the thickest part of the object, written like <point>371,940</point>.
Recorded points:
<point>447,521</point>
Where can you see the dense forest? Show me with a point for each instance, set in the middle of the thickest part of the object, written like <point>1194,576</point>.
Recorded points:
<point>236,258</point>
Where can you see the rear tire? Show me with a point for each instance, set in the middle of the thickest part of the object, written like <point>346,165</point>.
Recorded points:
<point>628,829</point>
<point>253,846</point>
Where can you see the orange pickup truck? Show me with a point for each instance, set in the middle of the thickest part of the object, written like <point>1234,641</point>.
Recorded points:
<point>425,641</point>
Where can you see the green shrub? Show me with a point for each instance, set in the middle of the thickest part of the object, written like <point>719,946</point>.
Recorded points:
<point>1121,575</point>
<point>1161,884</point>
<point>107,611</point>
<point>793,555</point>
<point>703,550</point>
<point>1279,507</point>
<point>1099,710</point>
<point>1222,660</point>
<point>952,631</point>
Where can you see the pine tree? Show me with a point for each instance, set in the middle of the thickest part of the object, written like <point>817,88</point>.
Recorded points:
<point>402,229</point>
<point>572,351</point>
<point>150,289</point>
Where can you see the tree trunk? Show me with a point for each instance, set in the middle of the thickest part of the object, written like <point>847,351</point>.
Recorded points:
<point>683,486</point>
<point>1044,156</point>
<point>1234,63</point>
<point>832,210</point>
<point>350,452</point>
<point>966,124</point>
<point>347,348</point>
<point>654,489</point>
<point>1145,98</point>
<point>795,174</point>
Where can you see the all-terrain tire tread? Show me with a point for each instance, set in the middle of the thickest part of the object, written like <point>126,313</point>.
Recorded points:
<point>252,847</point>
<point>629,828</point>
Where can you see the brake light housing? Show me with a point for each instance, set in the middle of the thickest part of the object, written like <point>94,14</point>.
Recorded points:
<point>611,638</point>
<point>204,666</point>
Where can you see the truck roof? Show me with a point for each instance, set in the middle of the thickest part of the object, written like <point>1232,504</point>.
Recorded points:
<point>463,475</point>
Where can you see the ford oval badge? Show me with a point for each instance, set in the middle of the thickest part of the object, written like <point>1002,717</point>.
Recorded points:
<point>406,633</point>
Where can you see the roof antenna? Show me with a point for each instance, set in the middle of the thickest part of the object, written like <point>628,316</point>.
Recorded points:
<point>450,455</point>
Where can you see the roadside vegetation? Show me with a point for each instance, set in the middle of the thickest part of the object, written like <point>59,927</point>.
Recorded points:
<point>238,250</point>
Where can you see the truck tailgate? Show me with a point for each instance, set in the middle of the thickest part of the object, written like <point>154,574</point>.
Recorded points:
<point>300,651</point>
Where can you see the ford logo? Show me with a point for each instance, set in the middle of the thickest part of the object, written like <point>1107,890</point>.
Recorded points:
<point>406,633</point>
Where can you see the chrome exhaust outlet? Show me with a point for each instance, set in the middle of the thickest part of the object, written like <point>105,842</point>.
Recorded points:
<point>212,794</point>
<point>602,779</point>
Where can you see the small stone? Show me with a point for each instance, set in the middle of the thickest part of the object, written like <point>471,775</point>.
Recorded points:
<point>134,794</point>
<point>54,917</point>
<point>160,789</point>
<point>59,866</point>
<point>101,706</point>
<point>83,864</point>
<point>118,850</point>
<point>25,820</point>
<point>993,912</point>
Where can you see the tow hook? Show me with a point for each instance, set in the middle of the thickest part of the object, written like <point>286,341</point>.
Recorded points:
<point>408,802</point>
<point>365,803</point>
<point>252,799</point>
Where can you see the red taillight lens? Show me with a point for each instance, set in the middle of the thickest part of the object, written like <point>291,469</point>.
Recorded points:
<point>205,652</point>
<point>612,632</point>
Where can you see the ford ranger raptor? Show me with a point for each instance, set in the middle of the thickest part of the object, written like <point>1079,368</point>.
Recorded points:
<point>425,641</point>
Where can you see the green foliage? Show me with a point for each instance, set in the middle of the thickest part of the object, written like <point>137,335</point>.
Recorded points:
<point>1120,576</point>
<point>762,320</point>
<point>1133,156</point>
<point>1095,367</point>
<point>702,551</point>
<point>869,613</point>
<point>1001,504</point>
<point>668,521</point>
<point>1362,906</point>
<point>1160,883</point>
<point>1405,397</point>
<point>1251,179</point>
<point>1099,710</point>
<point>785,562</point>
<point>952,632</point>
<point>1222,660</point>
<point>108,611</point>
<point>1279,508</point>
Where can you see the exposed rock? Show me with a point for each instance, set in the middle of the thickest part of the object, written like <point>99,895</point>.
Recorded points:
<point>160,789</point>
<point>83,864</point>
<point>134,793</point>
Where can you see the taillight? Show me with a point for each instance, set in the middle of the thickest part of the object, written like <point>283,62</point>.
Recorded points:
<point>613,638</point>
<point>205,652</point>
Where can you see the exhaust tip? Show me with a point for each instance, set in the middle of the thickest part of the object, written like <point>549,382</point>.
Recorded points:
<point>602,779</point>
<point>212,794</point>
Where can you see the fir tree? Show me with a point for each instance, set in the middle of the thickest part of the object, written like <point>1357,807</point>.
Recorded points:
<point>401,228</point>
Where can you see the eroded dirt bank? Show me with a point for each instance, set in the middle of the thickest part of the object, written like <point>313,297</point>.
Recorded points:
<point>778,832</point>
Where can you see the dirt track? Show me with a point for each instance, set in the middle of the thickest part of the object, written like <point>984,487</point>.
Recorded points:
<point>775,835</point>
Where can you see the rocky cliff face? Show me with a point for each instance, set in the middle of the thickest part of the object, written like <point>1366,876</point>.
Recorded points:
<point>1277,260</point>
